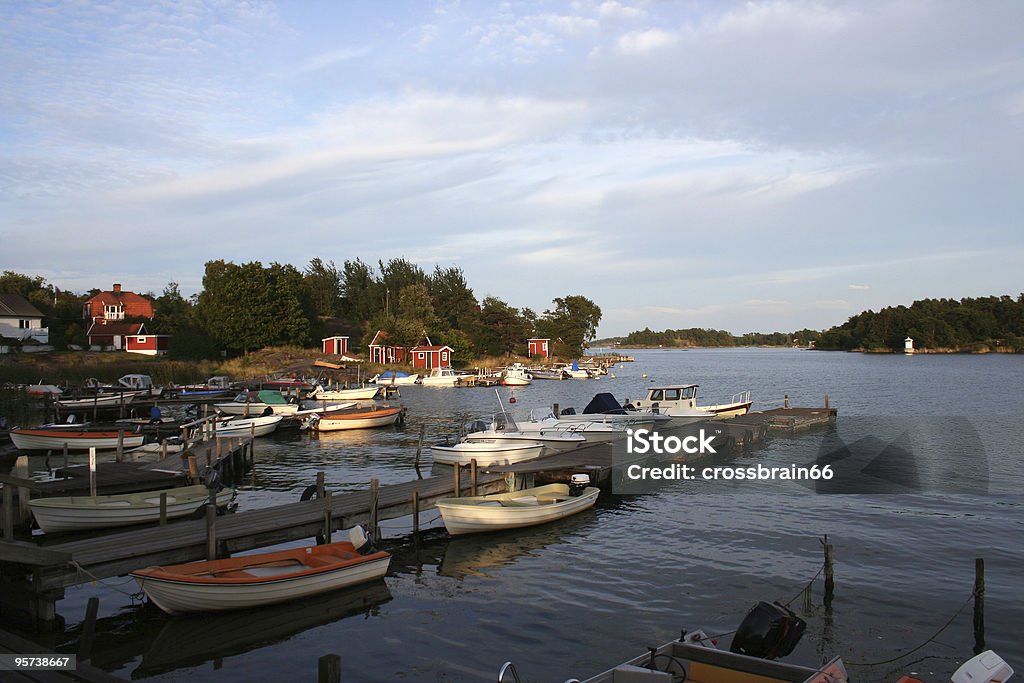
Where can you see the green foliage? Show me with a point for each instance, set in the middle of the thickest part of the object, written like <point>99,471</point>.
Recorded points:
<point>574,320</point>
<point>454,302</point>
<point>501,330</point>
<point>171,312</point>
<point>697,336</point>
<point>362,295</point>
<point>933,324</point>
<point>325,283</point>
<point>462,345</point>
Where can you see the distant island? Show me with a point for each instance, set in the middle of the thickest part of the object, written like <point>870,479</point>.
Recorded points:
<point>981,325</point>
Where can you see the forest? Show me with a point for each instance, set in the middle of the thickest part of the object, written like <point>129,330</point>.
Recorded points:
<point>248,306</point>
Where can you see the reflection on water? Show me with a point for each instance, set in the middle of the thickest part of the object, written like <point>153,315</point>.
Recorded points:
<point>578,596</point>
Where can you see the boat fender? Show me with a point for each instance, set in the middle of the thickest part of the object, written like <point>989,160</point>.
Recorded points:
<point>309,493</point>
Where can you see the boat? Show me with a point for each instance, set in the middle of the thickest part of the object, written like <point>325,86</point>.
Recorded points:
<point>516,509</point>
<point>486,453</point>
<point>359,417</point>
<point>605,408</point>
<point>249,426</point>
<point>74,513</point>
<point>98,401</point>
<point>262,579</point>
<point>547,373</point>
<point>394,377</point>
<point>357,394</point>
<point>593,430</point>
<point>516,375</point>
<point>76,440</point>
<point>219,385</point>
<point>504,429</point>
<point>574,371</point>
<point>250,403</point>
<point>43,390</point>
<point>680,400</point>
<point>442,377</point>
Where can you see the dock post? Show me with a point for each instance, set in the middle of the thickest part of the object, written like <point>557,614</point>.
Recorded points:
<point>211,532</point>
<point>374,491</point>
<point>209,457</point>
<point>320,484</point>
<point>92,471</point>
<point>163,449</point>
<point>826,402</point>
<point>785,401</point>
<point>95,398</point>
<point>328,517</point>
<point>416,512</point>
<point>329,669</point>
<point>555,410</point>
<point>830,584</point>
<point>252,444</point>
<point>472,477</point>
<point>88,630</point>
<point>193,468</point>
<point>455,473</point>
<point>419,449</point>
<point>163,508</point>
<point>979,605</point>
<point>120,445</point>
<point>8,513</point>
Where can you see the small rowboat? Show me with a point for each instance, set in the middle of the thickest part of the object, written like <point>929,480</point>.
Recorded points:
<point>256,580</point>
<point>74,513</point>
<point>355,418</point>
<point>54,439</point>
<point>514,509</point>
<point>486,453</point>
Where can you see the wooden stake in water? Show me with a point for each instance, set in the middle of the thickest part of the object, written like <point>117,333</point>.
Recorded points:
<point>829,579</point>
<point>979,605</point>
<point>92,471</point>
<point>329,669</point>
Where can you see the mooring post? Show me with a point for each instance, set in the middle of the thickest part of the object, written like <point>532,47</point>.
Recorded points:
<point>472,477</point>
<point>374,491</point>
<point>456,470</point>
<point>88,630</point>
<point>829,578</point>
<point>415,511</point>
<point>163,449</point>
<point>328,517</point>
<point>826,402</point>
<point>120,445</point>
<point>555,410</point>
<point>252,443</point>
<point>329,669</point>
<point>92,471</point>
<point>785,401</point>
<point>8,512</point>
<point>209,457</point>
<point>979,605</point>
<point>163,508</point>
<point>419,450</point>
<point>193,468</point>
<point>320,484</point>
<point>211,532</point>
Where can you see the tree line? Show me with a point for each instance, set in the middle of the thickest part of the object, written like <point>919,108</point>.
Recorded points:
<point>247,306</point>
<point>707,337</point>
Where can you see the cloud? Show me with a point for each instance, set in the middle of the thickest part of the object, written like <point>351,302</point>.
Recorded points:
<point>858,287</point>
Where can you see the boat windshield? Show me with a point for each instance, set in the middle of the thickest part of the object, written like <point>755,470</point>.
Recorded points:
<point>503,422</point>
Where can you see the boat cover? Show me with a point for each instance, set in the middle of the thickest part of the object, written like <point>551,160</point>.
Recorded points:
<point>272,398</point>
<point>604,404</point>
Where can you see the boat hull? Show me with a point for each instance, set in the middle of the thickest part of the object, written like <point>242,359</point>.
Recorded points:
<point>514,510</point>
<point>78,513</point>
<point>254,426</point>
<point>254,409</point>
<point>252,581</point>
<point>553,443</point>
<point>359,420</point>
<point>99,401</point>
<point>52,439</point>
<point>360,394</point>
<point>486,454</point>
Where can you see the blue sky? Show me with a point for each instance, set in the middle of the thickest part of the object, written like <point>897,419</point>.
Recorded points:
<point>748,166</point>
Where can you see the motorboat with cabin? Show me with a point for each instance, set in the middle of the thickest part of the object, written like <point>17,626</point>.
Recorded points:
<point>680,401</point>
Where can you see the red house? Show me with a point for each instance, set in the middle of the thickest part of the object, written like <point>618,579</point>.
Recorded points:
<point>335,346</point>
<point>147,344</point>
<point>538,347</point>
<point>116,305</point>
<point>427,357</point>
<point>384,353</point>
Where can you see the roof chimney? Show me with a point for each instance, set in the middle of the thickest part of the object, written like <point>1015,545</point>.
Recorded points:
<point>117,288</point>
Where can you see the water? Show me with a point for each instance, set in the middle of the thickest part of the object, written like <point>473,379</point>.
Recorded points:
<point>577,597</point>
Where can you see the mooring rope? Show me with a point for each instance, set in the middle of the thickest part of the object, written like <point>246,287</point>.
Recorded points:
<point>137,595</point>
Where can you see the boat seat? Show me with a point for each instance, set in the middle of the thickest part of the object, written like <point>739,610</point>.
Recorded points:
<point>551,499</point>
<point>522,501</point>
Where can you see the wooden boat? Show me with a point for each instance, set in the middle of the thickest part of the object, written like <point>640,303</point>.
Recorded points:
<point>354,418</point>
<point>75,513</point>
<point>54,439</point>
<point>246,426</point>
<point>256,580</point>
<point>486,453</point>
<point>514,509</point>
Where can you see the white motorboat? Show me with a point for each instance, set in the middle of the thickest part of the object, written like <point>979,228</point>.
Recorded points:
<point>486,453</point>
<point>442,377</point>
<point>56,439</point>
<point>516,509</point>
<point>75,513</point>
<point>262,579</point>
<point>516,375</point>
<point>395,378</point>
<point>592,430</point>
<point>249,404</point>
<point>680,401</point>
<point>251,426</point>
<point>357,394</point>
<point>604,408</point>
<point>98,401</point>
<point>504,429</point>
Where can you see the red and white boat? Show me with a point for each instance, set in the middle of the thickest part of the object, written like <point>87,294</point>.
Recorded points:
<point>54,439</point>
<point>354,418</point>
<point>264,579</point>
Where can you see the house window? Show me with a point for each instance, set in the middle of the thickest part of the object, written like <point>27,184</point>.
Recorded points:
<point>113,312</point>
<point>421,355</point>
<point>444,356</point>
<point>141,340</point>
<point>23,324</point>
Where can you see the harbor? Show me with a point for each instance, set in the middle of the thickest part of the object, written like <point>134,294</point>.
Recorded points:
<point>471,576</point>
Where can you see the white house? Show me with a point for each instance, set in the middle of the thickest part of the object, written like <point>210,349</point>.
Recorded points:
<point>20,320</point>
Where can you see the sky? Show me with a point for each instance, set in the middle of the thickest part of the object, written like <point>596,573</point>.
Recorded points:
<point>750,166</point>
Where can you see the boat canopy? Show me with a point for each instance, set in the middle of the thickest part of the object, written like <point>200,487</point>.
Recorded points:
<point>273,398</point>
<point>604,404</point>
<point>397,374</point>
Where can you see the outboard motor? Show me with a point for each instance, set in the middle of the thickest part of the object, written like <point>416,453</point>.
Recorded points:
<point>769,631</point>
<point>360,540</point>
<point>578,483</point>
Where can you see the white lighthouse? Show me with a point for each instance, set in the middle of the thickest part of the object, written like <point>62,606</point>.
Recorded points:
<point>908,345</point>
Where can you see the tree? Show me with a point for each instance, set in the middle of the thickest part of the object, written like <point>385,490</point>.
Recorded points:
<point>325,284</point>
<point>501,329</point>
<point>454,302</point>
<point>171,311</point>
<point>573,319</point>
<point>362,295</point>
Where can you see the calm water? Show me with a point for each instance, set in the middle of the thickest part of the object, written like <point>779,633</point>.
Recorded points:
<point>580,596</point>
